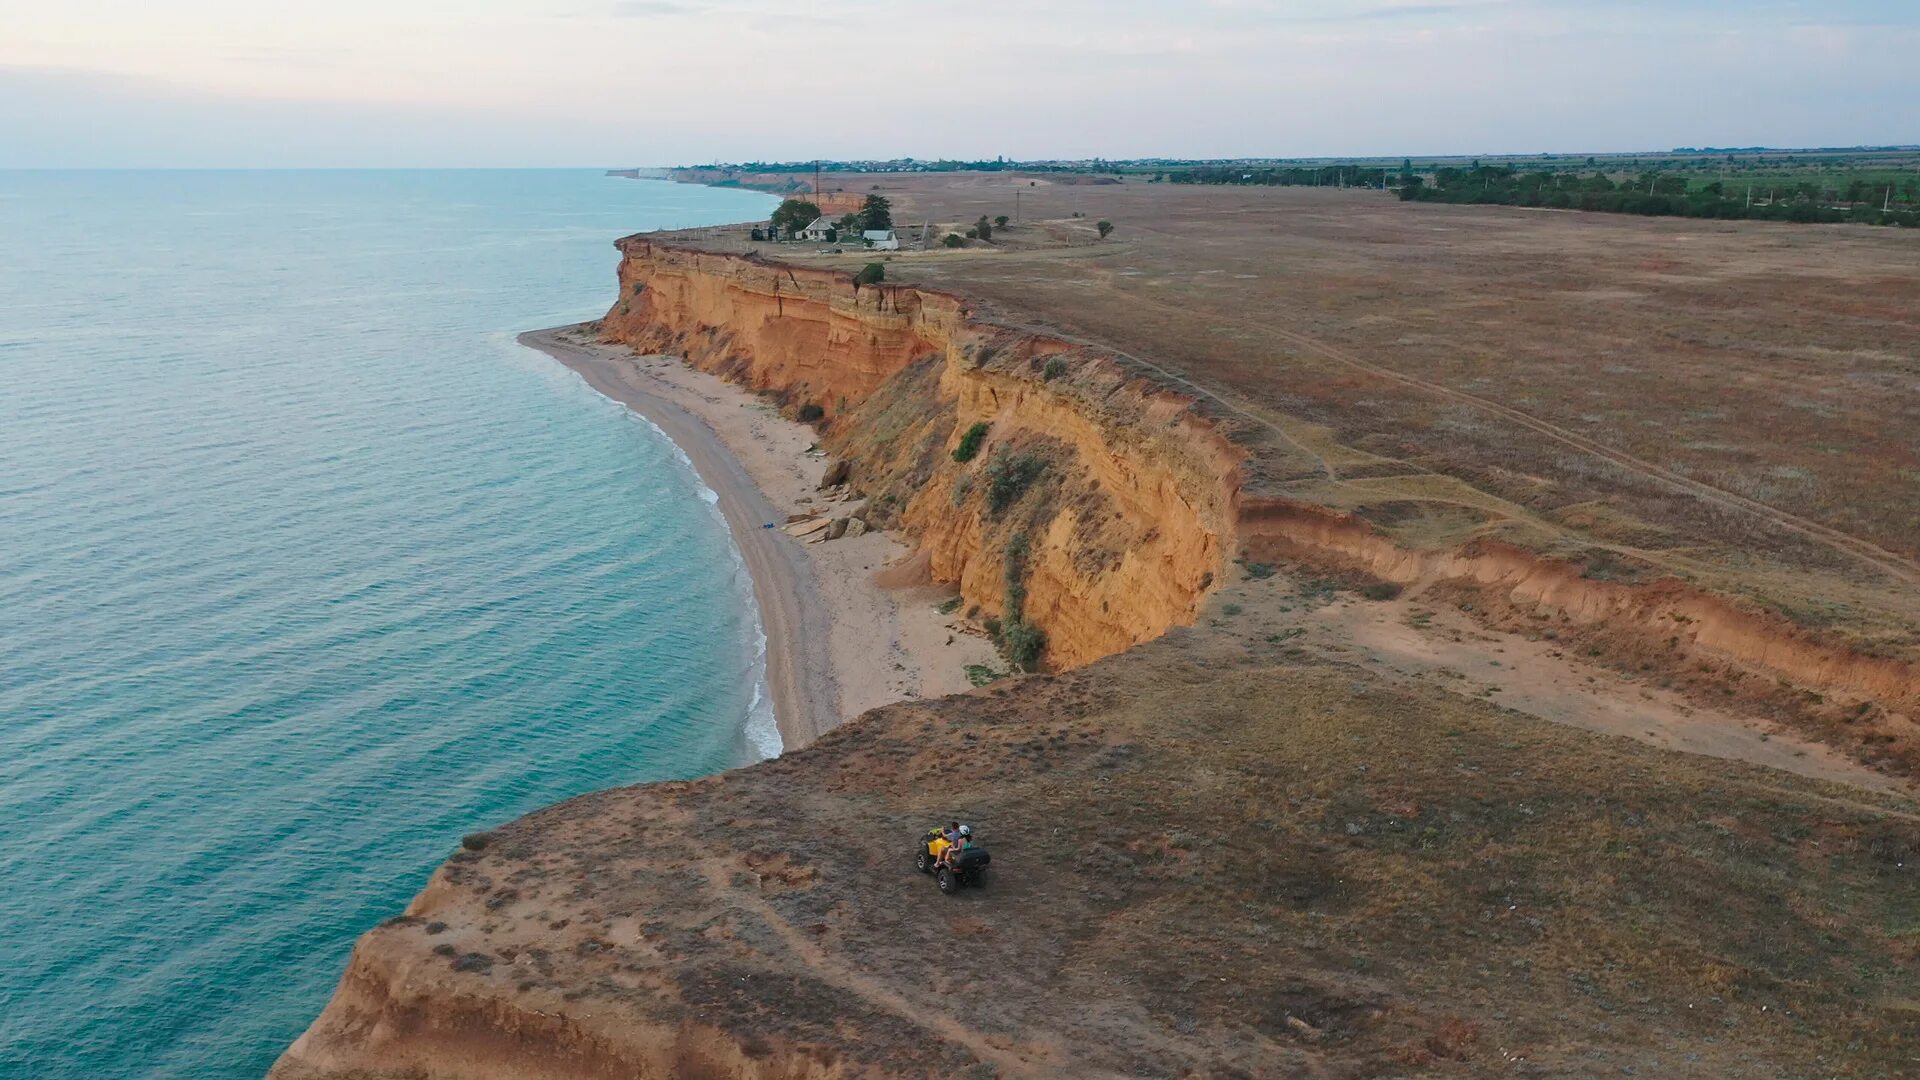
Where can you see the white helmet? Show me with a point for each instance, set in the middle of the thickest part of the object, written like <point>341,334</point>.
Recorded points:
<point>966,830</point>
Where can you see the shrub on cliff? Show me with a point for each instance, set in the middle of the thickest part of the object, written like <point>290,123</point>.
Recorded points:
<point>1023,643</point>
<point>811,413</point>
<point>970,442</point>
<point>869,275</point>
<point>1055,368</point>
<point>1014,576</point>
<point>1009,476</point>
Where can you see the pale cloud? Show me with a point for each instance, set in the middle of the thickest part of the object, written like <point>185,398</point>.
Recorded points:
<point>627,81</point>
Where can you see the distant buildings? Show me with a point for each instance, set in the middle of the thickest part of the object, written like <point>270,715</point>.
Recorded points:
<point>881,239</point>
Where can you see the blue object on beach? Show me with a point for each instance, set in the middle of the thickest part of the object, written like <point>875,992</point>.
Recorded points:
<point>768,525</point>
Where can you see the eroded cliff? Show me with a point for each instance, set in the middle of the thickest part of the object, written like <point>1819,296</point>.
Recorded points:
<point>1136,507</point>
<point>1095,505</point>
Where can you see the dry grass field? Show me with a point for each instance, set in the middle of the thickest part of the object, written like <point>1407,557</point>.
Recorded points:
<point>1737,404</point>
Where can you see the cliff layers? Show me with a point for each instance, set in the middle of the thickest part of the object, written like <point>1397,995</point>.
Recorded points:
<point>1101,507</point>
<point>1090,504</point>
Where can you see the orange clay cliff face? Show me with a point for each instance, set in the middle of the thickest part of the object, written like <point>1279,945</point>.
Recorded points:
<point>1135,507</point>
<point>1093,505</point>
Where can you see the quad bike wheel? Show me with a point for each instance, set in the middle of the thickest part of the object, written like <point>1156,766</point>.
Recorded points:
<point>949,881</point>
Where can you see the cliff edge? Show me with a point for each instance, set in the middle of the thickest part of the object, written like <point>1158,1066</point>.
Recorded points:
<point>1202,867</point>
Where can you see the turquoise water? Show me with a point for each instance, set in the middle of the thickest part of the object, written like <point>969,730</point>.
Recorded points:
<point>307,569</point>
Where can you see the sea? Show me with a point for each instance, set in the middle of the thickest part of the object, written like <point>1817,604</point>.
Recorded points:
<point>307,569</point>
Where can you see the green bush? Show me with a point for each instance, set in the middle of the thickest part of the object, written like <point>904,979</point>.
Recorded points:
<point>1000,221</point>
<point>973,234</point>
<point>1055,368</point>
<point>1009,476</point>
<point>970,442</point>
<point>870,274</point>
<point>1023,643</point>
<point>810,413</point>
<point>1105,227</point>
<point>983,228</point>
<point>1014,575</point>
<point>952,240</point>
<point>792,215</point>
<point>982,675</point>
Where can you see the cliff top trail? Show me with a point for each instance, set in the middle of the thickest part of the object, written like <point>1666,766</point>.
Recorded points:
<point>1211,858</point>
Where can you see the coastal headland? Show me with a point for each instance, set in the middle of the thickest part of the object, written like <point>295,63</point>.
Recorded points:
<point>1456,658</point>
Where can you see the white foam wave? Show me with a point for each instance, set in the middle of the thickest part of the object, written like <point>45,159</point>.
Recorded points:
<point>760,727</point>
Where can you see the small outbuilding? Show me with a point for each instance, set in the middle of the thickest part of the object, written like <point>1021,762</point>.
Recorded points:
<point>881,239</point>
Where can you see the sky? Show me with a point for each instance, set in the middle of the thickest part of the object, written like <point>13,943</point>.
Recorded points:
<point>393,83</point>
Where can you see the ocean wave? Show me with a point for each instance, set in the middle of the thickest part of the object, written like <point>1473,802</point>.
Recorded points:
<point>760,726</point>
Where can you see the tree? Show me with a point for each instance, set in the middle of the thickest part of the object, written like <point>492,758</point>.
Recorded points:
<point>870,274</point>
<point>1410,186</point>
<point>1000,221</point>
<point>877,213</point>
<point>848,223</point>
<point>792,215</point>
<point>1105,227</point>
<point>983,228</point>
<point>952,240</point>
<point>833,234</point>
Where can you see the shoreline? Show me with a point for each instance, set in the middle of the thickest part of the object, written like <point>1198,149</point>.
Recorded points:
<point>838,643</point>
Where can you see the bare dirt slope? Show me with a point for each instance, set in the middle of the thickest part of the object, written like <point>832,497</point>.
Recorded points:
<point>1211,857</point>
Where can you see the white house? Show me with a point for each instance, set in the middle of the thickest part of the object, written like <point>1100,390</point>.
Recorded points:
<point>817,231</point>
<point>881,239</point>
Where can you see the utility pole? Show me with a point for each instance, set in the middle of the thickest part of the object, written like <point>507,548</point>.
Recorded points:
<point>1016,204</point>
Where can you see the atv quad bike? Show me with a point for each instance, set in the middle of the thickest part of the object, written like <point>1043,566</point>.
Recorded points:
<point>969,867</point>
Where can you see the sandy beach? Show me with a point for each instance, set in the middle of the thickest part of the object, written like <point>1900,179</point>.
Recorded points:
<point>838,643</point>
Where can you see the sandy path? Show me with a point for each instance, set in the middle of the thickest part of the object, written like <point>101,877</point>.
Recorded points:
<point>837,643</point>
<point>1538,678</point>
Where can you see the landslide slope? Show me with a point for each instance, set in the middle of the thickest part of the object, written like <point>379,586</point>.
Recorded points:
<point>1212,857</point>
